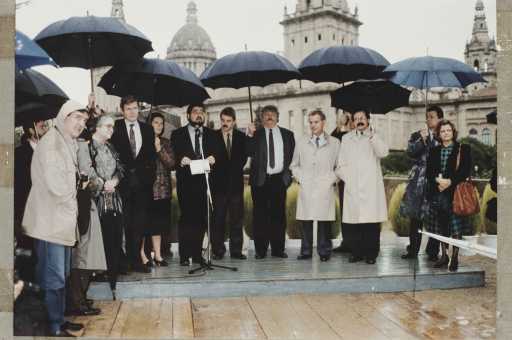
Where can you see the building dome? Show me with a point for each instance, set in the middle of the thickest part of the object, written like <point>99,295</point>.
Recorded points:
<point>191,40</point>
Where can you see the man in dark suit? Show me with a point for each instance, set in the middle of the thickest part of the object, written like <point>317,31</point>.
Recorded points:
<point>188,142</point>
<point>229,182</point>
<point>271,151</point>
<point>134,141</point>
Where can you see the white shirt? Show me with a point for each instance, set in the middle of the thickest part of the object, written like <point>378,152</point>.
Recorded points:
<point>192,134</point>
<point>278,151</point>
<point>321,140</point>
<point>138,134</point>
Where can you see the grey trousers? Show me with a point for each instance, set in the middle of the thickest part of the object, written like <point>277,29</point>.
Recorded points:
<point>323,238</point>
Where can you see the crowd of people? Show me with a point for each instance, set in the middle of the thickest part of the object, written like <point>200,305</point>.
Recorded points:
<point>118,173</point>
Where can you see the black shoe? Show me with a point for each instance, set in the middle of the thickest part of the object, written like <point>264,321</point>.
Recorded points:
<point>433,258</point>
<point>260,256</point>
<point>341,249</point>
<point>304,257</point>
<point>454,264</point>
<point>217,256</point>
<point>71,326</point>
<point>239,256</point>
<point>324,258</point>
<point>149,264</point>
<point>161,263</point>
<point>62,334</point>
<point>142,268</point>
<point>282,255</point>
<point>370,261</point>
<point>407,256</point>
<point>442,262</point>
<point>353,259</point>
<point>184,262</point>
<point>83,311</point>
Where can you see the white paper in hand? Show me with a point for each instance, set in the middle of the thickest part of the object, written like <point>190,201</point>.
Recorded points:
<point>199,166</point>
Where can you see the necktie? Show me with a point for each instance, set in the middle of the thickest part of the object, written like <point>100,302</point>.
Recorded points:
<point>317,142</point>
<point>197,149</point>
<point>228,145</point>
<point>271,151</point>
<point>133,144</point>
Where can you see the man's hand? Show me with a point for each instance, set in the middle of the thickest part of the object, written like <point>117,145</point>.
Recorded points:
<point>424,134</point>
<point>443,184</point>
<point>211,160</point>
<point>185,161</point>
<point>251,128</point>
<point>110,186</point>
<point>91,100</point>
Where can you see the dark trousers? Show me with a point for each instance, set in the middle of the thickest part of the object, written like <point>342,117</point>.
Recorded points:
<point>112,230</point>
<point>135,210</point>
<point>191,237</point>
<point>344,232</point>
<point>364,239</point>
<point>269,219</point>
<point>323,238</point>
<point>79,280</point>
<point>231,204</point>
<point>432,248</point>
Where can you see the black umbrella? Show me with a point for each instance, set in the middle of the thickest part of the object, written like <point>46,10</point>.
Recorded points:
<point>155,81</point>
<point>375,96</point>
<point>246,69</point>
<point>340,64</point>
<point>30,113</point>
<point>89,42</point>
<point>492,117</point>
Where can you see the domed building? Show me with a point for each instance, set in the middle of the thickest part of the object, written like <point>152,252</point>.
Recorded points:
<point>191,46</point>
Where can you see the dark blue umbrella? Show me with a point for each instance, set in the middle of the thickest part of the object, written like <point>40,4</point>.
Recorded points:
<point>29,53</point>
<point>90,41</point>
<point>340,64</point>
<point>375,96</point>
<point>246,69</point>
<point>155,81</point>
<point>32,86</point>
<point>427,72</point>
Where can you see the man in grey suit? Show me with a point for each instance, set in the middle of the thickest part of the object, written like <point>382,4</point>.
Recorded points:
<point>271,151</point>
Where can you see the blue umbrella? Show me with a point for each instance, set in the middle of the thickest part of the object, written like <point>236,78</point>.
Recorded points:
<point>340,64</point>
<point>29,53</point>
<point>246,69</point>
<point>155,81</point>
<point>90,41</point>
<point>428,72</point>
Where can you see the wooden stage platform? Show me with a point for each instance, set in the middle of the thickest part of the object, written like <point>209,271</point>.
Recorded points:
<point>275,276</point>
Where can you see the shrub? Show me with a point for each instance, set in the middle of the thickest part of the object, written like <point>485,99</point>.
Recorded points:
<point>483,156</point>
<point>399,222</point>
<point>397,163</point>
<point>489,226</point>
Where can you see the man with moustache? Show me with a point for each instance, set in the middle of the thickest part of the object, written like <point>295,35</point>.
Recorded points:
<point>271,150</point>
<point>229,182</point>
<point>364,197</point>
<point>135,143</point>
<point>190,143</point>
<point>313,166</point>
<point>414,204</point>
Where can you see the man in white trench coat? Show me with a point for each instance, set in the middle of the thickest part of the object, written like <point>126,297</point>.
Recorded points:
<point>313,166</point>
<point>365,207</point>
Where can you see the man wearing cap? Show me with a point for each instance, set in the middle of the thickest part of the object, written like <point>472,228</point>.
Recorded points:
<point>51,211</point>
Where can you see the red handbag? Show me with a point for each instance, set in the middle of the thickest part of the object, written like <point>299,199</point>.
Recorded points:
<point>465,198</point>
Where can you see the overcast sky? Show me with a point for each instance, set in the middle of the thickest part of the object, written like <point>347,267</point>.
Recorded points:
<point>396,28</point>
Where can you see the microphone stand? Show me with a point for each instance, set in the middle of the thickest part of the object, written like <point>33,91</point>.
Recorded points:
<point>208,265</point>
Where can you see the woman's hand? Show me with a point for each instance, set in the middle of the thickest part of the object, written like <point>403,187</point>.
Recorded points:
<point>158,145</point>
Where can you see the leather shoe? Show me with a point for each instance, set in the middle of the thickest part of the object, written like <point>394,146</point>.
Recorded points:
<point>239,256</point>
<point>62,334</point>
<point>282,255</point>
<point>442,262</point>
<point>353,259</point>
<point>324,258</point>
<point>259,256</point>
<point>341,249</point>
<point>184,262</point>
<point>408,256</point>
<point>370,261</point>
<point>162,263</point>
<point>304,257</point>
<point>83,311</point>
<point>71,326</point>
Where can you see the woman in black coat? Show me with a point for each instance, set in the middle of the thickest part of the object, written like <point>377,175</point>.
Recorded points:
<point>443,175</point>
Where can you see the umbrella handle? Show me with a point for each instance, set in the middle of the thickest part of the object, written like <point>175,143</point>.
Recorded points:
<point>250,103</point>
<point>89,40</point>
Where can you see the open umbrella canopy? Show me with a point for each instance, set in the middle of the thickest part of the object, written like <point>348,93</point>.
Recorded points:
<point>375,96</point>
<point>29,53</point>
<point>252,68</point>
<point>155,81</point>
<point>427,72</point>
<point>32,86</point>
<point>340,64</point>
<point>492,117</point>
<point>32,112</point>
<point>91,41</point>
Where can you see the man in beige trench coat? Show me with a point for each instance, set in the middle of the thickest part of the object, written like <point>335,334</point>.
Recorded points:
<point>313,166</point>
